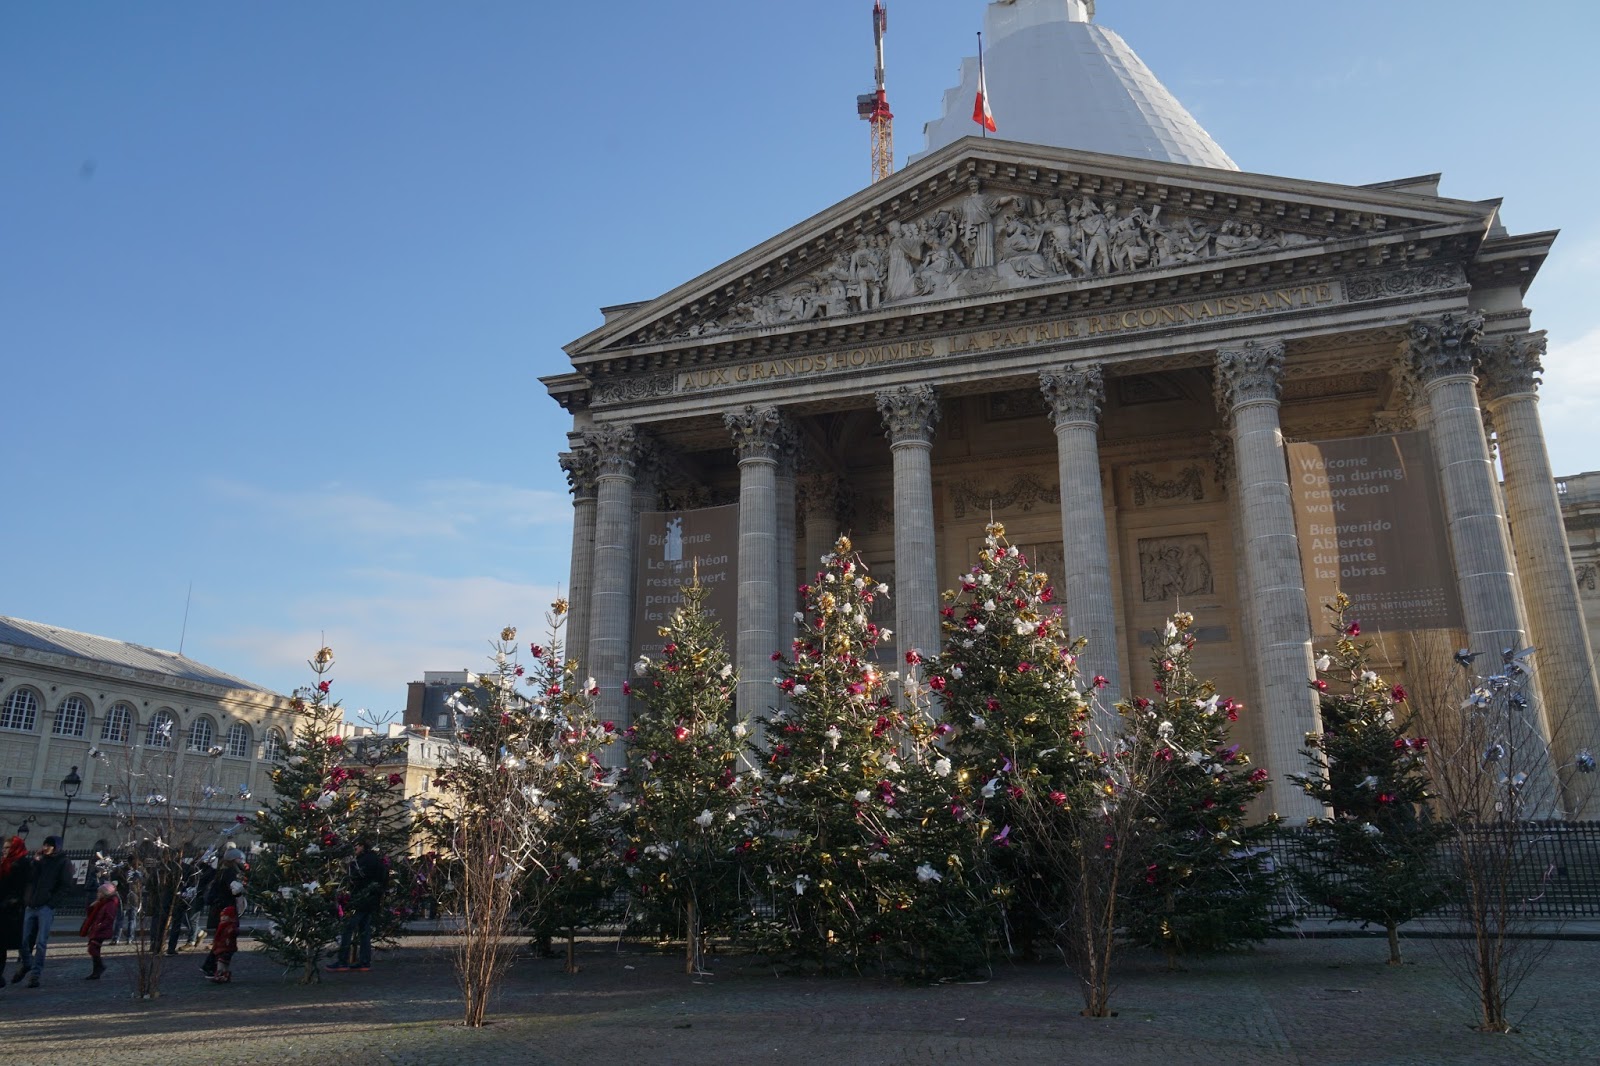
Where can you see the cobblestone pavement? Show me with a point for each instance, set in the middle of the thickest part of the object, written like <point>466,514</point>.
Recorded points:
<point>1322,1002</point>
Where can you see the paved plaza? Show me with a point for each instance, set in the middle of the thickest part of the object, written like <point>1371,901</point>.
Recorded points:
<point>1327,1002</point>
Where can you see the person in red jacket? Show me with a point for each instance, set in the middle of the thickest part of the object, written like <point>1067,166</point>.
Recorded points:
<point>99,925</point>
<point>224,945</point>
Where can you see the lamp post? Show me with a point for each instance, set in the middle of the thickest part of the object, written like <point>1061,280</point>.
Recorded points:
<point>69,788</point>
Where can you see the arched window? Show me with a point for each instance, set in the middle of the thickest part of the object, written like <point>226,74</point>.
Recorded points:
<point>272,747</point>
<point>201,733</point>
<point>21,710</point>
<point>158,734</point>
<point>239,741</point>
<point>71,717</point>
<point>118,725</point>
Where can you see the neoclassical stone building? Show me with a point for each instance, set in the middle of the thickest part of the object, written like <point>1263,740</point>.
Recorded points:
<point>157,717</point>
<point>1108,344</point>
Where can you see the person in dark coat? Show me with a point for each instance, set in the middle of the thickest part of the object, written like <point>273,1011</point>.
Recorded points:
<point>369,878</point>
<point>49,886</point>
<point>14,865</point>
<point>100,925</point>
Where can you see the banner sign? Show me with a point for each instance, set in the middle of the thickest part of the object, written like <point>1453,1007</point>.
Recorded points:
<point>672,545</point>
<point>1371,526</point>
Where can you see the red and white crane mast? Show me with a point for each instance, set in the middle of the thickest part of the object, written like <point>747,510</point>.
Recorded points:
<point>874,106</point>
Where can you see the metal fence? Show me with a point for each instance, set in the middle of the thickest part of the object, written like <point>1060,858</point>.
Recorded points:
<point>1556,872</point>
<point>1557,875</point>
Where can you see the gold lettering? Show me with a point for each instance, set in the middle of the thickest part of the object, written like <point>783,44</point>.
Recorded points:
<point>1324,293</point>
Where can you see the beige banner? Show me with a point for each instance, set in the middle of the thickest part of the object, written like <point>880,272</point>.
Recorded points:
<point>672,546</point>
<point>1371,526</point>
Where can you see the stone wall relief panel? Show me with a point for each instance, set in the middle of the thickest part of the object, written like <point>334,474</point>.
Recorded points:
<point>1023,492</point>
<point>1587,576</point>
<point>1174,567</point>
<point>1176,483</point>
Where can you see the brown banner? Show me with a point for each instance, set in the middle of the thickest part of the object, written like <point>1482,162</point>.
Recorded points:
<point>672,544</point>
<point>1371,526</point>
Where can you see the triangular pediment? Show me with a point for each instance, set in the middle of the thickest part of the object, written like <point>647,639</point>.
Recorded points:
<point>988,219</point>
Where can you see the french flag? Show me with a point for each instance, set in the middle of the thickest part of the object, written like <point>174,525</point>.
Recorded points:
<point>980,108</point>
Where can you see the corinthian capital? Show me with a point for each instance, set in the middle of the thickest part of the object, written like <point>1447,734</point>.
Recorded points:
<point>1441,347</point>
<point>1074,393</point>
<point>758,432</point>
<point>582,470</point>
<point>616,449</point>
<point>909,413</point>
<point>1511,365</point>
<point>1251,374</point>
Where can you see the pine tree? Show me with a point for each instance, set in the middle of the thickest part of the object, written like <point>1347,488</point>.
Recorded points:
<point>687,803</point>
<point>574,875</point>
<point>1375,859</point>
<point>1018,718</point>
<point>326,799</point>
<point>855,818</point>
<point>1208,881</point>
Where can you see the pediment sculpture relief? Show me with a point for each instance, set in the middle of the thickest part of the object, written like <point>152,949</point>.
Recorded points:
<point>986,243</point>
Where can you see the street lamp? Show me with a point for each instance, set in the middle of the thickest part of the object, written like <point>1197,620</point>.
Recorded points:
<point>69,788</point>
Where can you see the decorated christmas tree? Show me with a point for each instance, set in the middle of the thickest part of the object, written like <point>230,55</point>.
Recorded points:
<point>858,822</point>
<point>1032,765</point>
<point>1374,860</point>
<point>328,798</point>
<point>524,804</point>
<point>687,803</point>
<point>1208,878</point>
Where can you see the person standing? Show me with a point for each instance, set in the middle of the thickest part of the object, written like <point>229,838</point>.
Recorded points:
<point>49,882</point>
<point>100,924</point>
<point>223,945</point>
<point>369,877</point>
<point>13,884</point>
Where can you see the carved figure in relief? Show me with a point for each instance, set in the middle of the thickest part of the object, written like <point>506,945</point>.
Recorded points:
<point>1021,258</point>
<point>1062,238</point>
<point>906,242</point>
<point>936,276</point>
<point>978,211</point>
<point>1096,238</point>
<point>866,271</point>
<point>1129,250</point>
<point>1195,571</point>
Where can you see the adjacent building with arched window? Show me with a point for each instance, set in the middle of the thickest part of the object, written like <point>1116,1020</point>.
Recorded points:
<point>126,715</point>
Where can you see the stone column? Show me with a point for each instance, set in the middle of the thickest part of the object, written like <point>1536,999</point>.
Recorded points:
<point>616,453</point>
<point>583,482</point>
<point>1248,385</point>
<point>1074,395</point>
<point>909,415</point>
<point>1564,662</point>
<point>819,495</point>
<point>757,440</point>
<point>788,521</point>
<point>1440,352</point>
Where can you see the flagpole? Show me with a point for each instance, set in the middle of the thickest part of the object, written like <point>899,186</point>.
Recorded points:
<point>982,84</point>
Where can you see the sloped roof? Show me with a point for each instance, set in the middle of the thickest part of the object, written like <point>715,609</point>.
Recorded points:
<point>37,636</point>
<point>1055,77</point>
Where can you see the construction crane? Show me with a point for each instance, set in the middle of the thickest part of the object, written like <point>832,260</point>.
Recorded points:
<point>874,106</point>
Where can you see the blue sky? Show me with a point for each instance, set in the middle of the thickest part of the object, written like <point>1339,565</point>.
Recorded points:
<point>277,280</point>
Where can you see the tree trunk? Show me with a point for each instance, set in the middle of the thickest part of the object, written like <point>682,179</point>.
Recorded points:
<point>1394,943</point>
<point>572,954</point>
<point>692,960</point>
